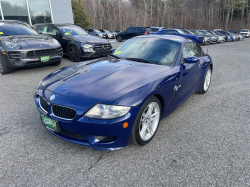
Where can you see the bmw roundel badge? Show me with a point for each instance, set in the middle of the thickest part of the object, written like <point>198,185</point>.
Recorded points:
<point>52,97</point>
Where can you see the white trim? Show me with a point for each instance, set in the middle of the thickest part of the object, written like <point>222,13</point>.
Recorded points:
<point>27,4</point>
<point>1,10</point>
<point>52,19</point>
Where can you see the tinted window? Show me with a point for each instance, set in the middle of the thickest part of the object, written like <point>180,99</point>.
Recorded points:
<point>72,30</point>
<point>168,31</point>
<point>244,30</point>
<point>141,29</point>
<point>16,29</point>
<point>154,29</point>
<point>47,29</point>
<point>158,51</point>
<point>131,29</point>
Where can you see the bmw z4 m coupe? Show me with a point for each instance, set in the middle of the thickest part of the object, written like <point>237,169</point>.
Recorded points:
<point>22,46</point>
<point>104,103</point>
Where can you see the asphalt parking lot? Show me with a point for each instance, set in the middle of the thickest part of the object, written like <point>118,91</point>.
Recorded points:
<point>205,142</point>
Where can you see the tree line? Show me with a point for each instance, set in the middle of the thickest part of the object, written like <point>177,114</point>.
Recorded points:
<point>193,14</point>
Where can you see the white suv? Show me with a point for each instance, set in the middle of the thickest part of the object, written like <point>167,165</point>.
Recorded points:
<point>245,32</point>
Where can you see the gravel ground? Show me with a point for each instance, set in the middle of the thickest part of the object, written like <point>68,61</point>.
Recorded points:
<point>205,142</point>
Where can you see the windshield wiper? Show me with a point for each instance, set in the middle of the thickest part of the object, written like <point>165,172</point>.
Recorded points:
<point>115,56</point>
<point>140,60</point>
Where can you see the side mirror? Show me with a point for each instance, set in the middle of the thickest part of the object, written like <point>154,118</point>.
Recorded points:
<point>58,33</point>
<point>191,60</point>
<point>112,50</point>
<point>39,32</point>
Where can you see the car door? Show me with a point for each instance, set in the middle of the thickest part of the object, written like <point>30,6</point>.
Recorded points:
<point>190,74</point>
<point>130,32</point>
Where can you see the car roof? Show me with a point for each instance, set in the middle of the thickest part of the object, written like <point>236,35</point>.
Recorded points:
<point>178,39</point>
<point>56,24</point>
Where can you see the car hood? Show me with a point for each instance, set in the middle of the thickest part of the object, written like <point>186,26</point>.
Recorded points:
<point>86,39</point>
<point>98,79</point>
<point>31,41</point>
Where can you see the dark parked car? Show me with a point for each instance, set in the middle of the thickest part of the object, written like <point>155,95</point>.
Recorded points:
<point>95,32</point>
<point>178,32</point>
<point>22,46</point>
<point>132,32</point>
<point>75,41</point>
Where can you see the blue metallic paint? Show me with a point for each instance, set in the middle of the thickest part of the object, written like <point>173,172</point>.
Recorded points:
<point>119,82</point>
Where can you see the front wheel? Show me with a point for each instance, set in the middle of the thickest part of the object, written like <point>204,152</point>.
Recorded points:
<point>4,68</point>
<point>147,122</point>
<point>119,38</point>
<point>74,54</point>
<point>206,82</point>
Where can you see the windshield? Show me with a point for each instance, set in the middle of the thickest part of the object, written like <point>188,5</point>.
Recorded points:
<point>72,30</point>
<point>157,51</point>
<point>107,32</point>
<point>16,29</point>
<point>181,32</point>
<point>244,30</point>
<point>154,29</point>
<point>195,32</point>
<point>203,32</point>
<point>188,32</point>
<point>97,31</point>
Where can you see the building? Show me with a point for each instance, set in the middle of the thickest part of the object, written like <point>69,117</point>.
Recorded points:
<point>37,11</point>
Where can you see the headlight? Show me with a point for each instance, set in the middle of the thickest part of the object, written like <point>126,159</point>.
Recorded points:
<point>101,111</point>
<point>11,45</point>
<point>86,46</point>
<point>56,42</point>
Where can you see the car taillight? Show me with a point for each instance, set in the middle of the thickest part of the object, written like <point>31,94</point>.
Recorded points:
<point>146,33</point>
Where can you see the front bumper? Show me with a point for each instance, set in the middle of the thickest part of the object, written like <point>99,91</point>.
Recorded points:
<point>19,59</point>
<point>98,134</point>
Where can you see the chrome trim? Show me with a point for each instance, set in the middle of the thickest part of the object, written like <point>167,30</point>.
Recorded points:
<point>52,113</point>
<point>41,105</point>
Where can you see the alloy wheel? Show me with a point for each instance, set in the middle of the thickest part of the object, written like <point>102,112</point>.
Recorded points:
<point>73,54</point>
<point>207,80</point>
<point>149,121</point>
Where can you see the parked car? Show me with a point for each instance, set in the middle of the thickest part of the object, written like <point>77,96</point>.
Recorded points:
<point>214,39</point>
<point>237,36</point>
<point>22,46</point>
<point>75,41</point>
<point>224,37</point>
<point>95,32</point>
<point>207,38</point>
<point>155,29</point>
<point>178,32</point>
<point>109,34</point>
<point>219,36</point>
<point>123,97</point>
<point>117,32</point>
<point>245,33</point>
<point>132,32</point>
<point>231,37</point>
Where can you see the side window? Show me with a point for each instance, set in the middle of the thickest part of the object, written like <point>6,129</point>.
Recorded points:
<point>140,29</point>
<point>175,32</point>
<point>130,29</point>
<point>197,50</point>
<point>188,50</point>
<point>167,32</point>
<point>51,30</point>
<point>42,28</point>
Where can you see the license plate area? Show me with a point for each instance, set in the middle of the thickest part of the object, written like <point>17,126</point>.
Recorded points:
<point>45,58</point>
<point>50,123</point>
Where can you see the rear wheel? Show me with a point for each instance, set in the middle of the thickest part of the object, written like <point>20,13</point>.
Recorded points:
<point>119,38</point>
<point>147,122</point>
<point>4,69</point>
<point>74,54</point>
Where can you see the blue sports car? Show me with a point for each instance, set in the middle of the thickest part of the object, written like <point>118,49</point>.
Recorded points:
<point>103,103</point>
<point>181,32</point>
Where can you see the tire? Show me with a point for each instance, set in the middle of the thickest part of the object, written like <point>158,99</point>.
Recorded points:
<point>4,68</point>
<point>56,63</point>
<point>74,54</point>
<point>143,132</point>
<point>119,38</point>
<point>206,82</point>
